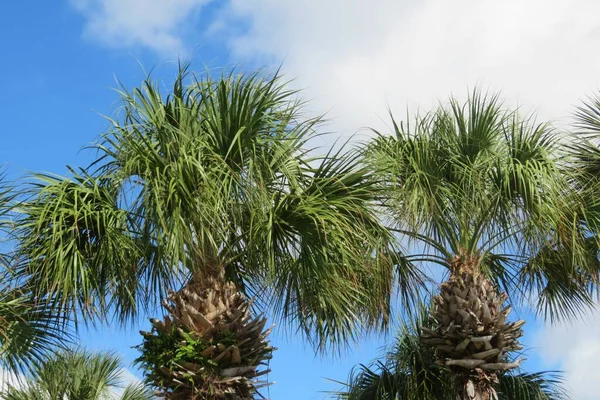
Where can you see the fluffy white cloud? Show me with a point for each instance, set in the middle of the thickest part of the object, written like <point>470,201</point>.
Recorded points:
<point>574,348</point>
<point>156,24</point>
<point>356,58</point>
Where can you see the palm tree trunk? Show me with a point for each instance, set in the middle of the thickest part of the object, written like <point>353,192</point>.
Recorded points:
<point>221,347</point>
<point>471,335</point>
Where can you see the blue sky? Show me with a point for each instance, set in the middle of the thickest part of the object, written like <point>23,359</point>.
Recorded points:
<point>60,60</point>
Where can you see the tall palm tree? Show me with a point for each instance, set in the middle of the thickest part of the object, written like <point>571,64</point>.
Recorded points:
<point>29,329</point>
<point>409,371</point>
<point>76,375</point>
<point>209,196</point>
<point>493,198</point>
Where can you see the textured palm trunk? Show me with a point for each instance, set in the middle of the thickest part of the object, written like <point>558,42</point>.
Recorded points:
<point>471,334</point>
<point>234,350</point>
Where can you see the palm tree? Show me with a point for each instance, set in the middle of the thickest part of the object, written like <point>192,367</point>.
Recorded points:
<point>493,198</point>
<point>76,375</point>
<point>409,371</point>
<point>208,197</point>
<point>29,329</point>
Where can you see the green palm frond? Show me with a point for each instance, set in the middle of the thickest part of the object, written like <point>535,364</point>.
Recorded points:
<point>532,386</point>
<point>136,392</point>
<point>587,116</point>
<point>81,252</point>
<point>326,224</point>
<point>29,328</point>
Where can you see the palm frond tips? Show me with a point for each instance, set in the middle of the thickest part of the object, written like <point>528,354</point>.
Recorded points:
<point>30,329</point>
<point>79,249</point>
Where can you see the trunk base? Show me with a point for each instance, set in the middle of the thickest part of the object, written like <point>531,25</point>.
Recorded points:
<point>471,336</point>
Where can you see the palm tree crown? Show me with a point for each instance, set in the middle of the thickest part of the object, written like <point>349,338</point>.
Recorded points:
<point>478,184</point>
<point>217,174</point>
<point>495,199</point>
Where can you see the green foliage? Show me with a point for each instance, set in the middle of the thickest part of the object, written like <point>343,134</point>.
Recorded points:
<point>478,180</point>
<point>217,173</point>
<point>171,349</point>
<point>161,350</point>
<point>76,375</point>
<point>29,327</point>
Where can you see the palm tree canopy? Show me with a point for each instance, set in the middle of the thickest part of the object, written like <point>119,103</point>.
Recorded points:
<point>409,371</point>
<point>478,184</point>
<point>215,174</point>
<point>76,375</point>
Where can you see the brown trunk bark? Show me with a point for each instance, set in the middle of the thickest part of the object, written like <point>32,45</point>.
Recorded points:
<point>471,336</point>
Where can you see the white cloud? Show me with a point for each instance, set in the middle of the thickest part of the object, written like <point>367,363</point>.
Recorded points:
<point>156,24</point>
<point>574,348</point>
<point>358,57</point>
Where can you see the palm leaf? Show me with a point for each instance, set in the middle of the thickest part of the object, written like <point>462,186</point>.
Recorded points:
<point>76,374</point>
<point>29,328</point>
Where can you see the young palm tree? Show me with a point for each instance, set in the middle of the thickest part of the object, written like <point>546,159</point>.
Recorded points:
<point>410,371</point>
<point>209,196</point>
<point>76,375</point>
<point>494,199</point>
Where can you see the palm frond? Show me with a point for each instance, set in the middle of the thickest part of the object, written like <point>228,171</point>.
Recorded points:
<point>330,253</point>
<point>29,328</point>
<point>532,386</point>
<point>80,252</point>
<point>136,392</point>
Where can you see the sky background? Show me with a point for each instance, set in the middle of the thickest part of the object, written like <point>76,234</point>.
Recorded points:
<point>352,58</point>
